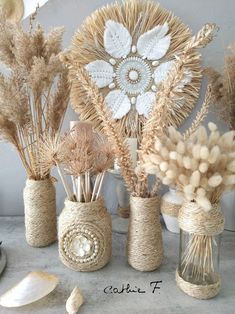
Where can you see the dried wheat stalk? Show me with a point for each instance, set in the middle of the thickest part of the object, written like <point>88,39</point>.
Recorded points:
<point>35,95</point>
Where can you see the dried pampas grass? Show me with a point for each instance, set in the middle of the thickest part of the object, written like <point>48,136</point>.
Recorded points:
<point>35,95</point>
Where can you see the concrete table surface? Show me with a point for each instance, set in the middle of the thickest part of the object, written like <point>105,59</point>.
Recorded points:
<point>168,299</point>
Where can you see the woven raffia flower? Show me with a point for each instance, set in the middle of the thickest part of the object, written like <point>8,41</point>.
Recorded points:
<point>128,49</point>
<point>134,78</point>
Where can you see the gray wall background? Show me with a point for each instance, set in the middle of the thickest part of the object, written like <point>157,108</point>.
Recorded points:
<point>71,14</point>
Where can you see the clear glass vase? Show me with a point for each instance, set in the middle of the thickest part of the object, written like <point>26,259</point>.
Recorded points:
<point>199,250</point>
<point>199,258</point>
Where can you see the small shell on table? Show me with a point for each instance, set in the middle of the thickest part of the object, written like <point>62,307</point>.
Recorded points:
<point>33,287</point>
<point>75,301</point>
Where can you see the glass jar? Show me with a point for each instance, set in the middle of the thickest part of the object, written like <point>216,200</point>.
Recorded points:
<point>199,251</point>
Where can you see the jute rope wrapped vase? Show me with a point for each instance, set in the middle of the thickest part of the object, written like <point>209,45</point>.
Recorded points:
<point>85,235</point>
<point>198,271</point>
<point>40,212</point>
<point>144,245</point>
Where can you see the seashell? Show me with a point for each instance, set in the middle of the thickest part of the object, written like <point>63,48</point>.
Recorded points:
<point>162,71</point>
<point>133,49</point>
<point>101,72</point>
<point>117,39</point>
<point>155,63</point>
<point>144,103</point>
<point>154,44</point>
<point>133,100</point>
<point>33,287</point>
<point>112,61</point>
<point>74,301</point>
<point>118,103</point>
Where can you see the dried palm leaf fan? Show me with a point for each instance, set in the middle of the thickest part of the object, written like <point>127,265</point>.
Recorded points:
<point>128,50</point>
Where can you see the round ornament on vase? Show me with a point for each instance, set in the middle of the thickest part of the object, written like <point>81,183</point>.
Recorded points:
<point>200,234</point>
<point>171,203</point>
<point>85,235</point>
<point>40,212</point>
<point>144,244</point>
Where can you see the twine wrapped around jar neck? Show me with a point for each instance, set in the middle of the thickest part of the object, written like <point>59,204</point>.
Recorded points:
<point>85,208</point>
<point>193,219</point>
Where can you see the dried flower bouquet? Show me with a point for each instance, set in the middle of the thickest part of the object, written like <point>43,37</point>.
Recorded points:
<point>34,95</point>
<point>81,154</point>
<point>200,166</point>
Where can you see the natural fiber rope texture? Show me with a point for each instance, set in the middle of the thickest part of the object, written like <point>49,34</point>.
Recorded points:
<point>144,245</point>
<point>170,208</point>
<point>124,212</point>
<point>198,291</point>
<point>40,212</point>
<point>193,219</point>
<point>89,220</point>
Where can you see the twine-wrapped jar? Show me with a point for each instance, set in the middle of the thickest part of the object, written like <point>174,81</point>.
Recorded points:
<point>144,244</point>
<point>40,212</point>
<point>85,235</point>
<point>198,271</point>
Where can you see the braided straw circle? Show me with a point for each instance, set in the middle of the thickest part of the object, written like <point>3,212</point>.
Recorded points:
<point>170,208</point>
<point>196,221</point>
<point>91,223</point>
<point>144,245</point>
<point>138,17</point>
<point>40,212</point>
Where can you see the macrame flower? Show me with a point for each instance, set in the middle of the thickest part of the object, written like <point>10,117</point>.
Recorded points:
<point>133,72</point>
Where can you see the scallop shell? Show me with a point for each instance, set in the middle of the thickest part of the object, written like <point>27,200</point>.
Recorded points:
<point>75,301</point>
<point>33,287</point>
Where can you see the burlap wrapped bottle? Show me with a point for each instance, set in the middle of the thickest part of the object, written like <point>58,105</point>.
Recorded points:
<point>40,212</point>
<point>85,235</point>
<point>144,244</point>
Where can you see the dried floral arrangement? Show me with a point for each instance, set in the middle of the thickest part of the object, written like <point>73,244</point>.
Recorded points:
<point>117,46</point>
<point>136,180</point>
<point>35,94</point>
<point>200,166</point>
<point>81,154</point>
<point>223,87</point>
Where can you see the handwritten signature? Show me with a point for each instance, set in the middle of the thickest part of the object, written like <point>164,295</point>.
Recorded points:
<point>127,288</point>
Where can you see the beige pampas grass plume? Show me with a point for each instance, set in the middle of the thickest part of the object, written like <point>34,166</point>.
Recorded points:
<point>203,167</point>
<point>215,180</point>
<point>229,180</point>
<point>195,178</point>
<point>204,152</point>
<point>187,162</point>
<point>196,151</point>
<point>231,166</point>
<point>214,155</point>
<point>204,203</point>
<point>74,301</point>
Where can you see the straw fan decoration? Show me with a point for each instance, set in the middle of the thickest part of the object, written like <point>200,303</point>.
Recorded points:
<point>117,46</point>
